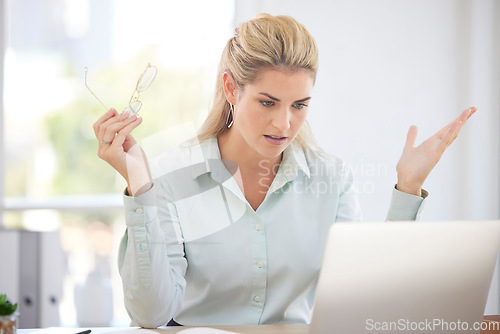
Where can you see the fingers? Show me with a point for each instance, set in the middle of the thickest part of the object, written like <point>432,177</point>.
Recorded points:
<point>108,129</point>
<point>463,117</point>
<point>122,134</point>
<point>411,137</point>
<point>113,135</point>
<point>456,126</point>
<point>472,111</point>
<point>466,114</point>
<point>107,115</point>
<point>121,142</point>
<point>452,133</point>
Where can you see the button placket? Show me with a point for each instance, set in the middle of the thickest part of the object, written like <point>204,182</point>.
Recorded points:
<point>259,252</point>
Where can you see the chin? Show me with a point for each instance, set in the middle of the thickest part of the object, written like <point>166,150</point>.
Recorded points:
<point>273,152</point>
<point>273,155</point>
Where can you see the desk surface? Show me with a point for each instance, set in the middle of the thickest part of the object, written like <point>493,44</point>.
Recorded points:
<point>251,329</point>
<point>243,329</point>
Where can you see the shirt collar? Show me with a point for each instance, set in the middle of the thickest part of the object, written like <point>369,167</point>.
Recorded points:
<point>294,160</point>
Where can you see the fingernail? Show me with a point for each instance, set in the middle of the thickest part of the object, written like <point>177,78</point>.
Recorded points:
<point>124,114</point>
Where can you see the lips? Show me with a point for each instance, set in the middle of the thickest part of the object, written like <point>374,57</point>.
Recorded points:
<point>274,137</point>
<point>275,140</point>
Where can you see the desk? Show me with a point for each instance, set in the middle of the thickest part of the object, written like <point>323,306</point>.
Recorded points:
<point>243,329</point>
<point>247,329</point>
<point>487,318</point>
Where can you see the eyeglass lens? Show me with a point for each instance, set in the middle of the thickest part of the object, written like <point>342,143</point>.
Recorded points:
<point>146,78</point>
<point>133,107</point>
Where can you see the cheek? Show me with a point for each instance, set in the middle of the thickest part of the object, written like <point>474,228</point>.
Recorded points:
<point>248,118</point>
<point>299,119</point>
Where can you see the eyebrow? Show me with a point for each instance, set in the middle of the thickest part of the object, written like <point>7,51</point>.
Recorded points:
<point>278,100</point>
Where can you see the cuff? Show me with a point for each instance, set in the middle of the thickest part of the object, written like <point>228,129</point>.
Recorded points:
<point>406,206</point>
<point>140,210</point>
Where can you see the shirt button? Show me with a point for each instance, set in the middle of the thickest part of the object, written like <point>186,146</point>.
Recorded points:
<point>260,264</point>
<point>139,211</point>
<point>257,299</point>
<point>258,227</point>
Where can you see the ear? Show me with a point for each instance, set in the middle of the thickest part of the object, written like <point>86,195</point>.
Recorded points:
<point>230,88</point>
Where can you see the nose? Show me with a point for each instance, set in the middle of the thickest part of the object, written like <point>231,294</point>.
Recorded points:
<point>281,119</point>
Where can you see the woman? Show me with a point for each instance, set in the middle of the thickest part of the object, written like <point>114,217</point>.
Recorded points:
<point>230,229</point>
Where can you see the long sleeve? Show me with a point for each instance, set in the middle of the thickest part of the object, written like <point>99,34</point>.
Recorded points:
<point>151,258</point>
<point>405,206</point>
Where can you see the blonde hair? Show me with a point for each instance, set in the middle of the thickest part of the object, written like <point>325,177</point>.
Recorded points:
<point>266,41</point>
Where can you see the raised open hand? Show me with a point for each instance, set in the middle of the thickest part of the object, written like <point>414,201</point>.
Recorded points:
<point>416,163</point>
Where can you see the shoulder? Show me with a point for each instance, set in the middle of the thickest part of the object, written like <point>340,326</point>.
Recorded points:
<point>178,158</point>
<point>169,161</point>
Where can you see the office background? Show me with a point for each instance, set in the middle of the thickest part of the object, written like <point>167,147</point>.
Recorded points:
<point>384,65</point>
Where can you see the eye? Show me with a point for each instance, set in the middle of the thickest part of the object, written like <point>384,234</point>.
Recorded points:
<point>299,105</point>
<point>267,103</point>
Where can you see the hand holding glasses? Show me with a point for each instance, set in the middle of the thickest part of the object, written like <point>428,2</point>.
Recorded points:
<point>145,80</point>
<point>115,144</point>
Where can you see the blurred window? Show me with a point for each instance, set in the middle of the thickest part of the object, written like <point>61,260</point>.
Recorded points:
<point>53,179</point>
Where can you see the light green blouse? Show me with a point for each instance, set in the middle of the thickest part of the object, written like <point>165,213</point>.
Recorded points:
<point>195,250</point>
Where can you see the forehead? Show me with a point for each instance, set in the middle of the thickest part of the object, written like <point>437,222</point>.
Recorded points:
<point>283,83</point>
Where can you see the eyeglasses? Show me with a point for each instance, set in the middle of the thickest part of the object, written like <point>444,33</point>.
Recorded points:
<point>145,80</point>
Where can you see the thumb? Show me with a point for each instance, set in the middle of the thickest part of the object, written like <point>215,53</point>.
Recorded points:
<point>411,137</point>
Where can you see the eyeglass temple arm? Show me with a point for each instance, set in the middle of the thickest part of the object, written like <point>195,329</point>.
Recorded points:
<point>90,90</point>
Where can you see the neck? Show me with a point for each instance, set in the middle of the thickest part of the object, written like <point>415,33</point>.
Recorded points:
<point>233,147</point>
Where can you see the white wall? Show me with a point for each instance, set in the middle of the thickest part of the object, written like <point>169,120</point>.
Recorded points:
<point>387,64</point>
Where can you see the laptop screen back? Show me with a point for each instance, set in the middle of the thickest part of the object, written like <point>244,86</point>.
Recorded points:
<point>405,277</point>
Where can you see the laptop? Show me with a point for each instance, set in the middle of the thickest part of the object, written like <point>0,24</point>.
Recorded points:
<point>406,277</point>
